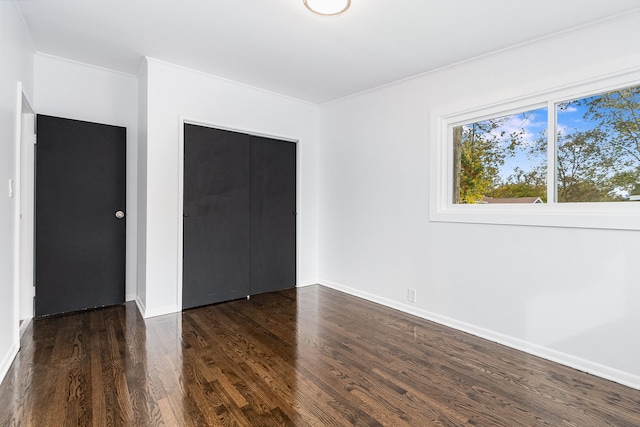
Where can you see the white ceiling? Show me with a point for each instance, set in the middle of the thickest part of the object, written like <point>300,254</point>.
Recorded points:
<point>278,45</point>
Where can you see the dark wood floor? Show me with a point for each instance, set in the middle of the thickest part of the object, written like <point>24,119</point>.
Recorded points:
<point>306,357</point>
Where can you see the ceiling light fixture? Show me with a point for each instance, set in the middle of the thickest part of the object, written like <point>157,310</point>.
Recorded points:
<point>327,7</point>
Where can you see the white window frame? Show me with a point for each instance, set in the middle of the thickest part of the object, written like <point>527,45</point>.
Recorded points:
<point>605,215</point>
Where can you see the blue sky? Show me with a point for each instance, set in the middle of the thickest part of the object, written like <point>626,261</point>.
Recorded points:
<point>571,117</point>
<point>534,122</point>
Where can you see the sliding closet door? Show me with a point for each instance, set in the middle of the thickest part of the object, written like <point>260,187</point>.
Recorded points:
<point>239,215</point>
<point>216,252</point>
<point>273,209</point>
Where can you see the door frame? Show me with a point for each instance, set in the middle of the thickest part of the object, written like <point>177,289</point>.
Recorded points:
<point>23,246</point>
<point>26,215</point>
<point>204,123</point>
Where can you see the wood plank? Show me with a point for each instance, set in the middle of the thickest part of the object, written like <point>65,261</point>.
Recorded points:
<point>310,356</point>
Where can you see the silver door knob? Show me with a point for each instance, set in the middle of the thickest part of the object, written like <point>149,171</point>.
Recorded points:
<point>119,214</point>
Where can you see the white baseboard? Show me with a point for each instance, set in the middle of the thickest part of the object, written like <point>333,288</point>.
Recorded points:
<point>156,311</point>
<point>24,324</point>
<point>302,285</point>
<point>606,372</point>
<point>8,360</point>
<point>141,307</point>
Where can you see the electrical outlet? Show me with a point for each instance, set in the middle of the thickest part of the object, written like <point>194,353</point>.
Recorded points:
<point>411,295</point>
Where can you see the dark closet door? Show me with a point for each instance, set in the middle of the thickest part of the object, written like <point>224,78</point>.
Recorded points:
<point>239,215</point>
<point>273,209</point>
<point>216,216</point>
<point>80,195</point>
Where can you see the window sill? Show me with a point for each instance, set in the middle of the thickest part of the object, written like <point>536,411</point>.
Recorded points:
<point>598,216</point>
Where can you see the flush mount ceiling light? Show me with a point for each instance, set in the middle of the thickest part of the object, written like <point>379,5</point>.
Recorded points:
<point>327,7</point>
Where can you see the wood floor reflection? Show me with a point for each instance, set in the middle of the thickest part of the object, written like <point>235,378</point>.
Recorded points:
<point>306,357</point>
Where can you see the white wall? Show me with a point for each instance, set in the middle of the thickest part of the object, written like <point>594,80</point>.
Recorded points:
<point>78,91</point>
<point>571,295</point>
<point>173,92</point>
<point>16,63</point>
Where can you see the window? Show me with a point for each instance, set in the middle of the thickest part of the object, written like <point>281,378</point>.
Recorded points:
<point>598,147</point>
<point>501,159</point>
<point>567,157</point>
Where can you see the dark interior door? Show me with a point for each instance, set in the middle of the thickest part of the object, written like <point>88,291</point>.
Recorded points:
<point>273,210</point>
<point>216,216</point>
<point>80,195</point>
<point>239,215</point>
